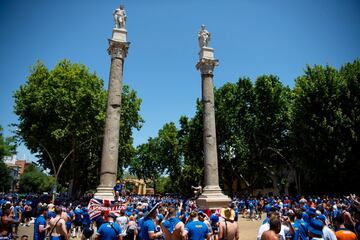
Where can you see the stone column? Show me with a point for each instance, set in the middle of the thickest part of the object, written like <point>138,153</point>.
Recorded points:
<point>118,48</point>
<point>212,196</point>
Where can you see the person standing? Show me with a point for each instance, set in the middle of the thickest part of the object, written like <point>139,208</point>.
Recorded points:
<point>196,230</point>
<point>58,226</point>
<point>328,234</point>
<point>40,224</point>
<point>274,229</point>
<point>78,221</point>
<point>342,233</point>
<point>315,229</point>
<point>17,214</point>
<point>122,220</point>
<point>228,229</point>
<point>6,223</point>
<point>109,230</point>
<point>172,227</point>
<point>300,226</point>
<point>148,228</point>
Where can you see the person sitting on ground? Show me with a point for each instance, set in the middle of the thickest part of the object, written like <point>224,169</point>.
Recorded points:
<point>274,230</point>
<point>117,189</point>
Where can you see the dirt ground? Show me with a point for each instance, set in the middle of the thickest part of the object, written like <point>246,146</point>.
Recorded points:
<point>248,229</point>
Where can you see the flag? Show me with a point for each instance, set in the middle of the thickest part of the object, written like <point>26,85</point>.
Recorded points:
<point>96,206</point>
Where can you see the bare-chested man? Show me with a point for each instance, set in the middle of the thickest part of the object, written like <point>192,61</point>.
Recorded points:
<point>172,226</point>
<point>273,232</point>
<point>58,226</point>
<point>228,229</point>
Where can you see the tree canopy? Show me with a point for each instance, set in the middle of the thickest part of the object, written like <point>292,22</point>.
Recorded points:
<point>33,180</point>
<point>7,148</point>
<point>304,139</point>
<point>61,117</point>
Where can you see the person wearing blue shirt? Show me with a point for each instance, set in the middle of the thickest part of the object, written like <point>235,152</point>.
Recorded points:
<point>172,227</point>
<point>109,230</point>
<point>78,220</point>
<point>196,230</point>
<point>117,189</point>
<point>40,225</point>
<point>148,228</point>
<point>86,218</point>
<point>70,215</point>
<point>300,227</point>
<point>214,222</point>
<point>17,212</point>
<point>140,223</point>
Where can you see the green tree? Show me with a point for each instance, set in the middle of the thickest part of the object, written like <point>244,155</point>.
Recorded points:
<point>169,150</point>
<point>325,127</point>
<point>159,156</point>
<point>61,116</point>
<point>147,163</point>
<point>271,126</point>
<point>7,148</point>
<point>190,137</point>
<point>317,125</point>
<point>350,133</point>
<point>35,181</point>
<point>233,152</point>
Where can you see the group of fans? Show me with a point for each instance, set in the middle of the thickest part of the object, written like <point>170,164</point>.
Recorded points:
<point>173,217</point>
<point>311,218</point>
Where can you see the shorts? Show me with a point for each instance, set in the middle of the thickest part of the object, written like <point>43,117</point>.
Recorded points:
<point>78,224</point>
<point>27,214</point>
<point>57,238</point>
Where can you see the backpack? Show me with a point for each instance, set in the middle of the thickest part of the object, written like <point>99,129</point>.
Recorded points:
<point>130,232</point>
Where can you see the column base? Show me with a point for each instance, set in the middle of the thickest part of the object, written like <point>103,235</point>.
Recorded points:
<point>104,192</point>
<point>212,198</point>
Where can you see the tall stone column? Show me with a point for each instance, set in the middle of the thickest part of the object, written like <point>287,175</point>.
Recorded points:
<point>212,196</point>
<point>118,48</point>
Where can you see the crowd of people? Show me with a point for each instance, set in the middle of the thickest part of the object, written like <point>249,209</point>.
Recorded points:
<point>174,217</point>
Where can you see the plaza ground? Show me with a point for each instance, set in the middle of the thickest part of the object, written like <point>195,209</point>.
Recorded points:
<point>248,229</point>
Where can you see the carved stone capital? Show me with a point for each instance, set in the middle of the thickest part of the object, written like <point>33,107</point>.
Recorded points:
<point>118,49</point>
<point>206,66</point>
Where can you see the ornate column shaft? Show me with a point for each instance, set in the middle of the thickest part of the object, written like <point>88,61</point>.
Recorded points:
<point>118,48</point>
<point>206,68</point>
<point>212,197</point>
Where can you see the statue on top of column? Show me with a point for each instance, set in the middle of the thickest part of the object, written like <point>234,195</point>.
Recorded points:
<point>120,17</point>
<point>204,37</point>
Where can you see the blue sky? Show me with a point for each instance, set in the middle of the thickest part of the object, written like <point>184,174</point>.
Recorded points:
<point>250,37</point>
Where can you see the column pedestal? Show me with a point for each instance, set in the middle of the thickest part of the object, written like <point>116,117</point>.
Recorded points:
<point>212,198</point>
